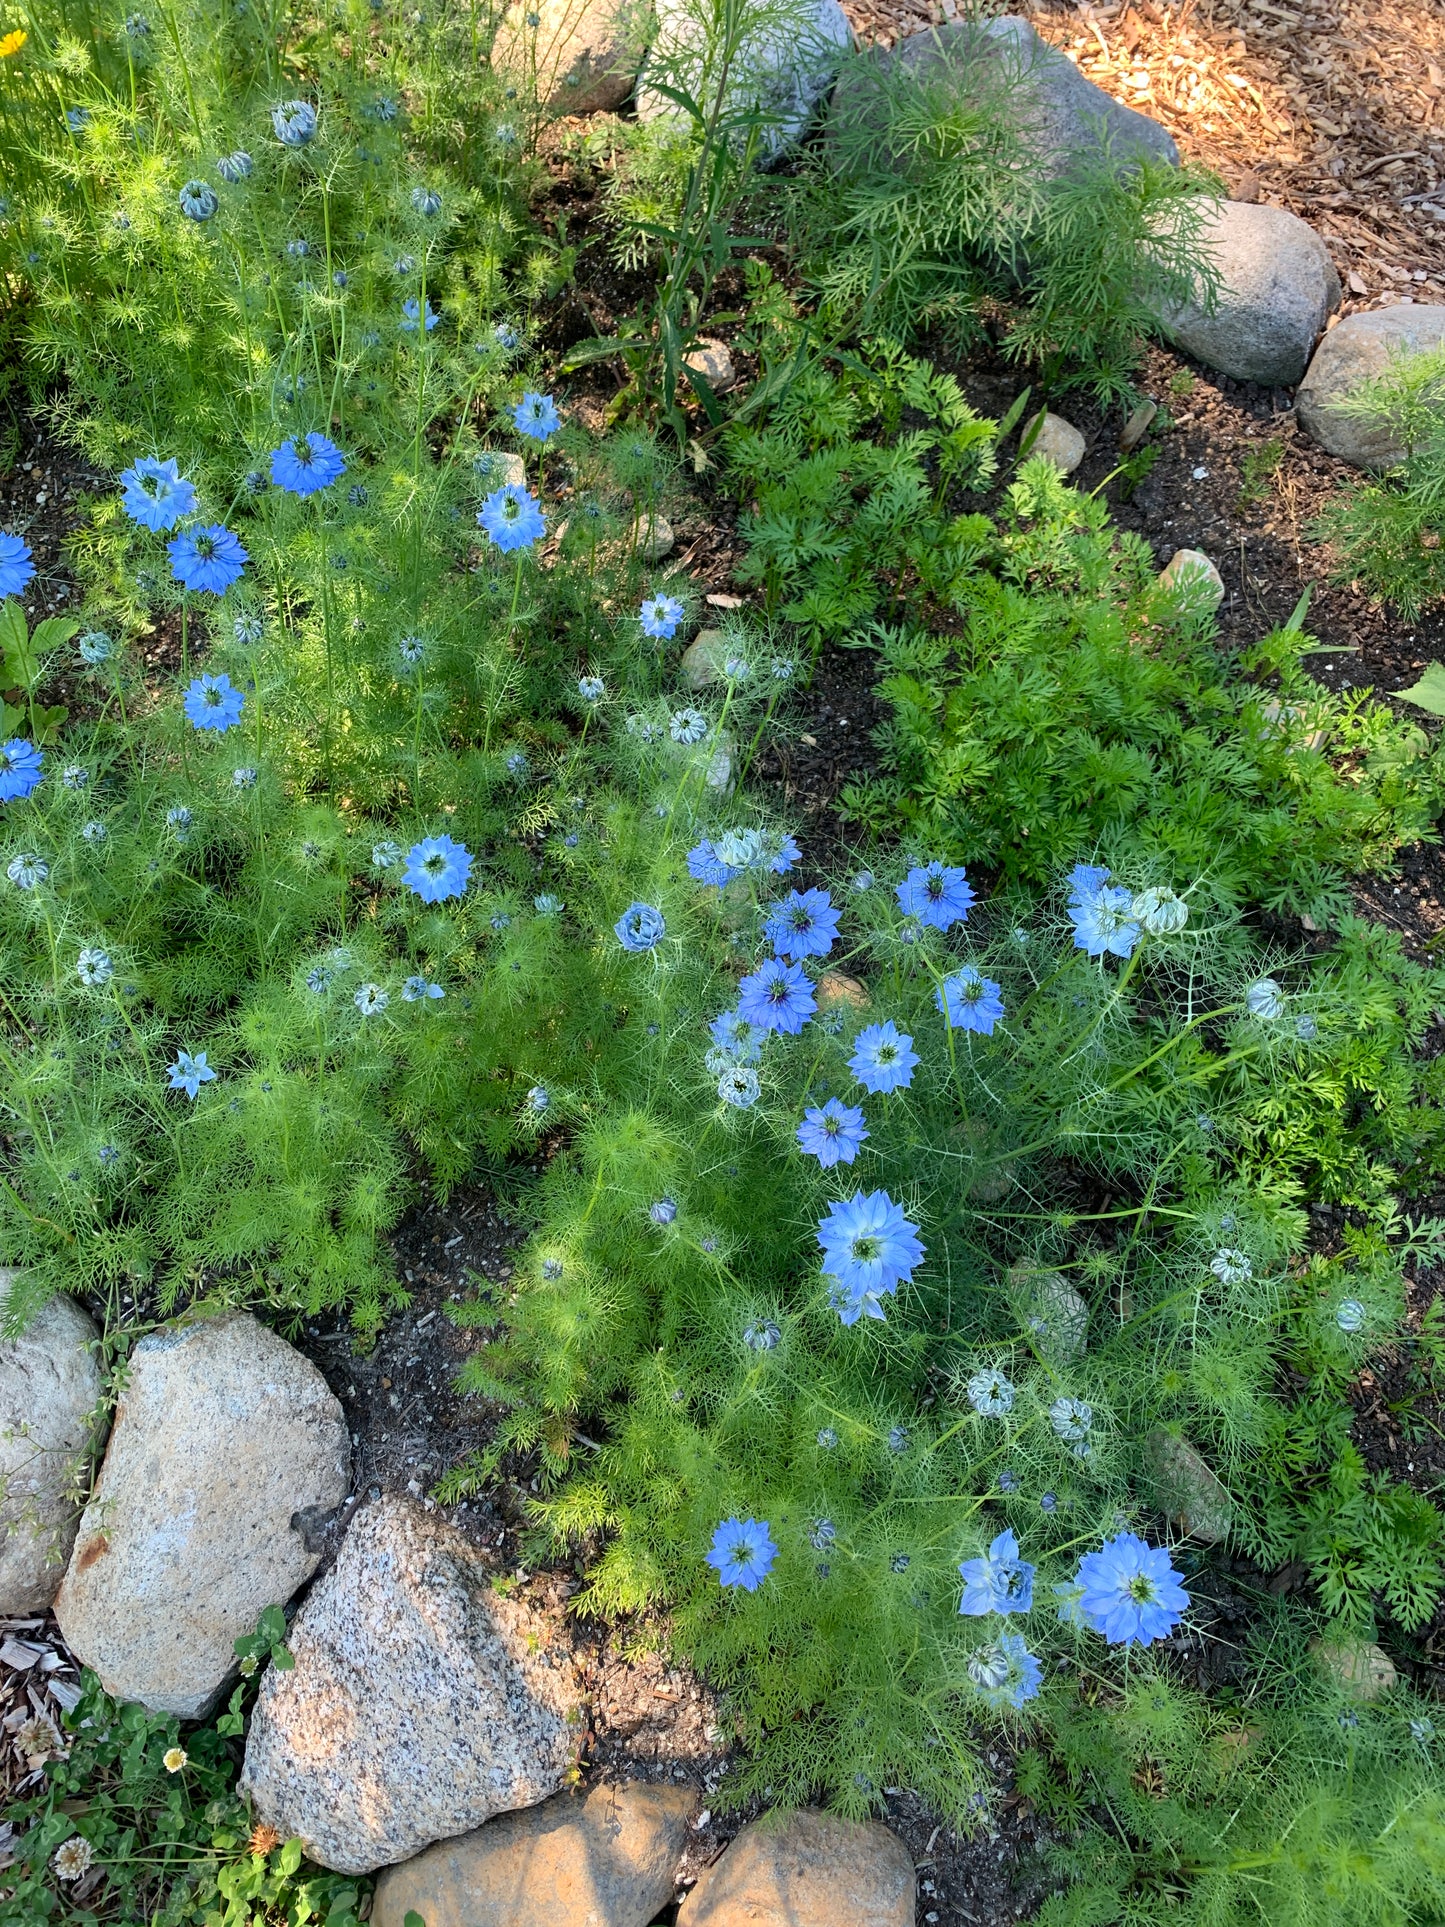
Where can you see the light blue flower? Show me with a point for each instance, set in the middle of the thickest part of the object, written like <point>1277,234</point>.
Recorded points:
<point>739,1087</point>
<point>833,1134</point>
<point>294,122</point>
<point>548,904</point>
<point>198,201</point>
<point>687,726</point>
<point>512,517</point>
<point>188,1073</point>
<point>1071,1419</point>
<point>94,967</point>
<point>235,167</point>
<point>437,868</point>
<point>20,769</point>
<point>371,1000</point>
<point>742,1553</point>
<point>999,1581</point>
<point>777,996</point>
<point>211,703</point>
<point>208,559</point>
<point>732,1032</point>
<point>705,866</point>
<point>536,417</point>
<point>1006,1674</point>
<point>1265,999</point>
<point>1104,922</point>
<point>386,854</point>
<point>1350,1315</point>
<point>156,494</point>
<point>95,647</point>
<point>418,990</point>
<point>990,1393</point>
<point>663,1211</point>
<point>27,870</point>
<point>413,314</point>
<point>539,1099</point>
<point>591,689</point>
<point>1231,1267</point>
<point>16,568</point>
<point>660,615</point>
<point>936,894</point>
<point>640,927</point>
<point>869,1247</point>
<point>1130,1592</point>
<point>426,201</point>
<point>883,1058</point>
<point>804,924</point>
<point>970,1001</point>
<point>248,629</point>
<point>307,463</point>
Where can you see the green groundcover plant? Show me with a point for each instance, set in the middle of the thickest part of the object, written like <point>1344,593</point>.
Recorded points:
<point>900,1245</point>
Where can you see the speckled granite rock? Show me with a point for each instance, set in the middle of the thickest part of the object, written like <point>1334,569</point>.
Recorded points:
<point>223,1434</point>
<point>50,1389</point>
<point>421,1703</point>
<point>581,56</point>
<point>1356,348</point>
<point>1278,288</point>
<point>806,1870</point>
<point>1193,566</point>
<point>603,1861</point>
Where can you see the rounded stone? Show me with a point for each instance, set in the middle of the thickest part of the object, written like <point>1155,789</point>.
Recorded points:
<point>606,1860</point>
<point>582,56</point>
<point>1278,288</point>
<point>1053,440</point>
<point>423,1701</point>
<point>50,1393</point>
<point>224,1436</point>
<point>1354,350</point>
<point>712,361</point>
<point>702,660</point>
<point>1187,1488</point>
<point>505,469</point>
<point>1364,1670</point>
<point>834,987</point>
<point>1192,567</point>
<point>654,537</point>
<point>806,1869</point>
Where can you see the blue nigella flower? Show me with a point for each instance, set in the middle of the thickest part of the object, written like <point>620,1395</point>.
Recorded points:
<point>536,417</point>
<point>937,895</point>
<point>75,776</point>
<point>294,122</point>
<point>211,703</point>
<point>640,927</point>
<point>804,924</point>
<point>591,689</point>
<point>1006,1674</point>
<point>739,1087</point>
<point>156,494</point>
<point>20,769</point>
<point>94,967</point>
<point>198,201</point>
<point>235,167</point>
<point>77,119</point>
<point>742,1553</point>
<point>386,854</point>
<point>1072,1419</point>
<point>426,201</point>
<point>298,251</point>
<point>660,615</point>
<point>704,865</point>
<point>548,904</point>
<point>518,763</point>
<point>506,337</point>
<point>371,1000</point>
<point>243,778</point>
<point>248,629</point>
<point>1350,1315</point>
<point>785,854</point>
<point>1130,1592</point>
<point>731,1032</point>
<point>1086,880</point>
<point>970,1001</point>
<point>663,1211</point>
<point>1104,922</point>
<point>437,868</point>
<point>95,647</point>
<point>869,1247</point>
<point>539,1099</point>
<point>998,1582</point>
<point>833,1134</point>
<point>208,559</point>
<point>1265,999</point>
<point>512,517</point>
<point>27,871</point>
<point>883,1058</point>
<point>188,1073</point>
<point>1048,1502</point>
<point>990,1394</point>
<point>307,463</point>
<point>16,568</point>
<point>412,316</point>
<point>411,649</point>
<point>777,996</point>
<point>384,108</point>
<point>688,726</point>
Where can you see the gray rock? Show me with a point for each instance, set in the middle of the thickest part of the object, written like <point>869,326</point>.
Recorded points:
<point>1364,1670</point>
<point>603,1861</point>
<point>222,1436</point>
<point>1354,350</point>
<point>1278,287</point>
<point>1068,119</point>
<point>422,1702</point>
<point>583,55</point>
<point>50,1389</point>
<point>806,1870</point>
<point>1187,1489</point>
<point>654,537</point>
<point>1054,440</point>
<point>702,660</point>
<point>782,68</point>
<point>1193,567</point>
<point>711,360</point>
<point>1057,1316</point>
<point>502,469</point>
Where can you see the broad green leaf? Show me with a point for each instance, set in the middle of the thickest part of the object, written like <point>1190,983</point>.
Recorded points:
<point>1429,693</point>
